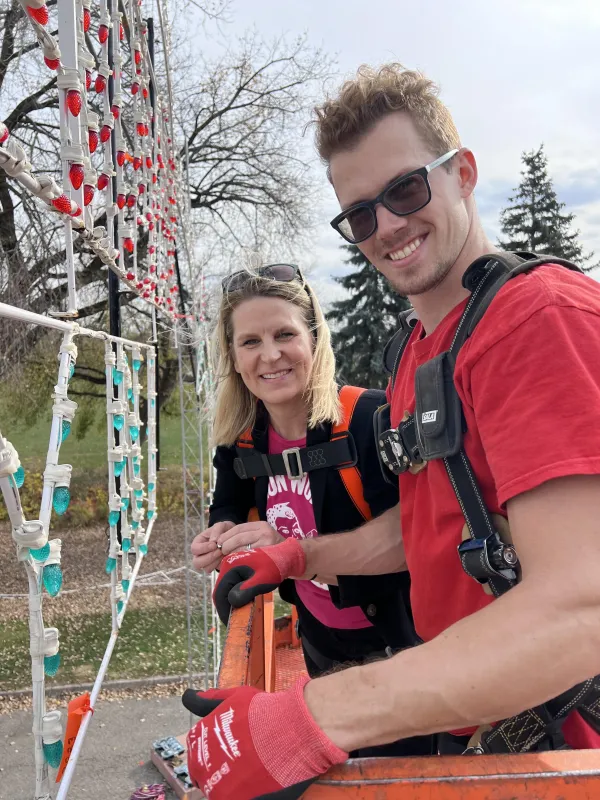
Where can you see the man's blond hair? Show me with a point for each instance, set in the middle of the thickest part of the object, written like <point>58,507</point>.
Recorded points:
<point>374,94</point>
<point>236,406</point>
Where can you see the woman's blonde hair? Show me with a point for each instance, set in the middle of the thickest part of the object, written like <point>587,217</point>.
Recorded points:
<point>236,406</point>
<point>374,94</point>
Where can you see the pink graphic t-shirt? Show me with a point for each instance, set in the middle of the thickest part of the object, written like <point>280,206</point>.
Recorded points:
<point>290,513</point>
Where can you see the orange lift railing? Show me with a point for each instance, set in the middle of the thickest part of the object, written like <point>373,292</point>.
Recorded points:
<point>265,652</point>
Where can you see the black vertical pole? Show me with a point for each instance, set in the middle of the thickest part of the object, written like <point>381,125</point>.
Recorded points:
<point>152,90</point>
<point>189,348</point>
<point>114,306</point>
<point>114,309</point>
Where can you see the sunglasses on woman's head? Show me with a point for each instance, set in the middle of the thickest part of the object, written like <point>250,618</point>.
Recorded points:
<point>275,272</point>
<point>403,196</point>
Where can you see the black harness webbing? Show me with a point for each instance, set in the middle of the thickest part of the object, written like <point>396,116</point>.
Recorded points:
<point>296,461</point>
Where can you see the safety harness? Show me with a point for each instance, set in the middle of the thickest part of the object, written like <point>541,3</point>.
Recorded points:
<point>436,431</point>
<point>295,462</point>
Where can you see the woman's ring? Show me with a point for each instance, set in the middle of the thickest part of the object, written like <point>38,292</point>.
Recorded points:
<point>220,546</point>
<point>248,547</point>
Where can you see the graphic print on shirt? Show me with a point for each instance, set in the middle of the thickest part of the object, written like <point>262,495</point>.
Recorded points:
<point>293,515</point>
<point>290,509</point>
<point>284,520</point>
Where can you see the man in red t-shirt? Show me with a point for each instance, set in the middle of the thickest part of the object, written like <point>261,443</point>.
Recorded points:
<point>529,383</point>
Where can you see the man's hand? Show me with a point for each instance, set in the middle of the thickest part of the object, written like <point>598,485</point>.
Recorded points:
<point>231,754</point>
<point>207,556</point>
<point>255,534</point>
<point>248,573</point>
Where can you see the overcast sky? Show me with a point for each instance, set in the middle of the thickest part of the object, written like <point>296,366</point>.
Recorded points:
<point>515,74</point>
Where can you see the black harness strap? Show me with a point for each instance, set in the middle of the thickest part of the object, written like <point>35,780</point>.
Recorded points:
<point>296,461</point>
<point>540,727</point>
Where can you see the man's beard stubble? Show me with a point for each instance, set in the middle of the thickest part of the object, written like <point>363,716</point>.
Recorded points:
<point>421,280</point>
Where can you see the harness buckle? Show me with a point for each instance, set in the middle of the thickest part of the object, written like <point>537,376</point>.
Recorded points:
<point>240,468</point>
<point>392,451</point>
<point>293,451</point>
<point>487,558</point>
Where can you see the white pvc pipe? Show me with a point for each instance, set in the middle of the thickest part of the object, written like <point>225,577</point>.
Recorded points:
<point>36,632</point>
<point>12,312</point>
<point>56,430</point>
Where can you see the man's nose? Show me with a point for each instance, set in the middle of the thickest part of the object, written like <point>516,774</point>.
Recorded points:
<point>389,224</point>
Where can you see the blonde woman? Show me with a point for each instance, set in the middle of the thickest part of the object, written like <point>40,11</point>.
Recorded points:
<point>287,440</point>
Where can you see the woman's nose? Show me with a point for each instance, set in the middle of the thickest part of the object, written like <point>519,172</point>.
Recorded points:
<point>271,351</point>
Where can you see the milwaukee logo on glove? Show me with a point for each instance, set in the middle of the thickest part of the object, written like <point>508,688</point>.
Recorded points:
<point>237,556</point>
<point>226,719</point>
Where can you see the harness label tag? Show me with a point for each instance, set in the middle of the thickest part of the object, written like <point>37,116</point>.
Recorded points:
<point>429,416</point>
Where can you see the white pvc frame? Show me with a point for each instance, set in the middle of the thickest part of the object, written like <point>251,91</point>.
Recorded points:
<point>9,463</point>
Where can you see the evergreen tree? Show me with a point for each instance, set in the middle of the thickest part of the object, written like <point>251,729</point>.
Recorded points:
<point>534,221</point>
<point>363,323</point>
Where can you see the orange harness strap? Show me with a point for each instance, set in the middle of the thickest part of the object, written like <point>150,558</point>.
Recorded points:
<point>350,475</point>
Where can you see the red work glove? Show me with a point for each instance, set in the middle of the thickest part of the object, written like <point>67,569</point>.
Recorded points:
<point>248,573</point>
<point>254,745</point>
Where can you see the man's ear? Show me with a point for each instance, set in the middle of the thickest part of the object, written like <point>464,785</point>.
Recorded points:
<point>466,167</point>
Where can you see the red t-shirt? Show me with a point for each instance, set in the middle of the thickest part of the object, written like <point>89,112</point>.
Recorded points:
<point>527,379</point>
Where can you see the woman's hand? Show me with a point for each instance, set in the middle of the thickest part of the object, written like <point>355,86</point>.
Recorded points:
<point>207,556</point>
<point>255,534</point>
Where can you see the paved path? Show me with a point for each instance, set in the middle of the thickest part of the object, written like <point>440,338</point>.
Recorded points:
<point>115,758</point>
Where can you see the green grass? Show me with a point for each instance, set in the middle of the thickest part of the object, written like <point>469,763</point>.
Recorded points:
<point>151,642</point>
<point>31,443</point>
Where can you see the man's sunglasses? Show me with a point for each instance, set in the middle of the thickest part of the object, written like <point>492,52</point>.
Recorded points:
<point>275,272</point>
<point>403,196</point>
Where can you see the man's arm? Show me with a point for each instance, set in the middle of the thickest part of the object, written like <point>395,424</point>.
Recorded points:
<point>373,549</point>
<point>536,641</point>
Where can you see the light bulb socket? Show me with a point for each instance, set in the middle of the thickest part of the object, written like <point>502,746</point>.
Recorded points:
<point>116,454</point>
<point>59,475</point>
<point>31,535</point>
<point>64,408</point>
<point>52,727</point>
<point>55,549</point>
<point>9,459</point>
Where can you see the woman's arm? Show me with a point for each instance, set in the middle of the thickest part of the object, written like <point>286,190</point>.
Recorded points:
<point>233,497</point>
<point>232,501</point>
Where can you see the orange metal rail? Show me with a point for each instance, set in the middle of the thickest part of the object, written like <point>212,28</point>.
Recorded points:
<point>264,652</point>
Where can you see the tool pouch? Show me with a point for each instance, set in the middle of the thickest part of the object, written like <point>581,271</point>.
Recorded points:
<point>438,411</point>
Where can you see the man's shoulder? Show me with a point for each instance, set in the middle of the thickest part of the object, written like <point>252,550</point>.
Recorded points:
<point>523,300</point>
